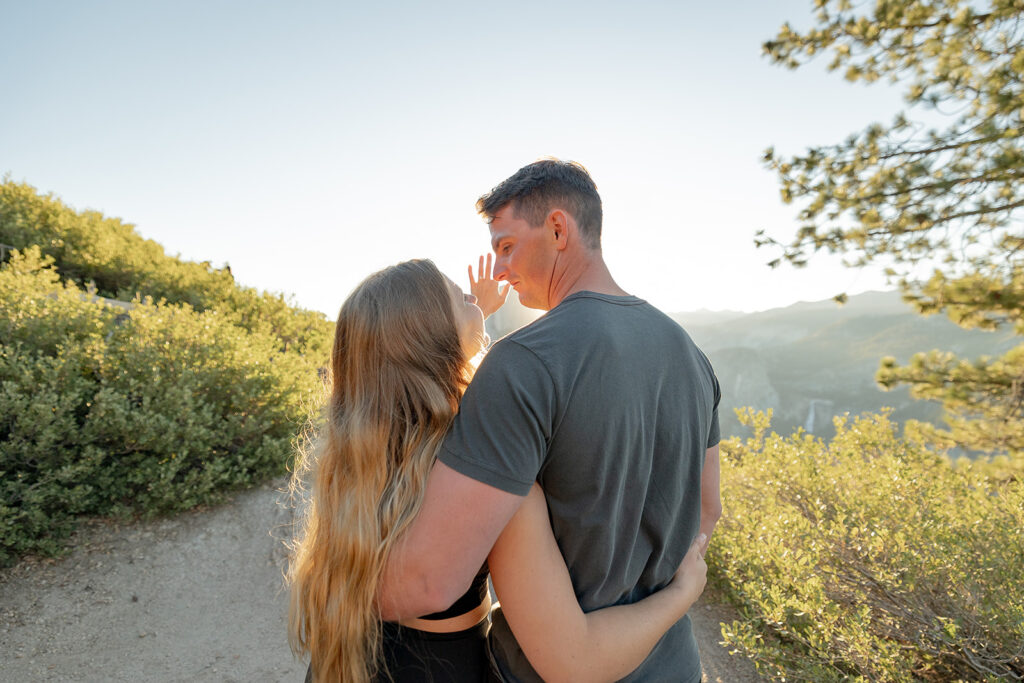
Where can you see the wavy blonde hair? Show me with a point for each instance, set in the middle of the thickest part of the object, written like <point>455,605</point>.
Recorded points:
<point>397,374</point>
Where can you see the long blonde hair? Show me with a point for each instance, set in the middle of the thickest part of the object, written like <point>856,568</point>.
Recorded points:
<point>397,374</point>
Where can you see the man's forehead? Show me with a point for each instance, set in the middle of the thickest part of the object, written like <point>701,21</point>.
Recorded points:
<point>501,222</point>
<point>502,216</point>
<point>498,233</point>
<point>506,212</point>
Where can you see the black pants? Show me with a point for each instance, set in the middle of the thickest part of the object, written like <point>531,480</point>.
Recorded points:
<point>412,656</point>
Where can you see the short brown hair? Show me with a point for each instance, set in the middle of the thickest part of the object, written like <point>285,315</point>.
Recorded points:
<point>537,188</point>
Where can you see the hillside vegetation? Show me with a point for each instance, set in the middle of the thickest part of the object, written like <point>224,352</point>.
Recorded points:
<point>190,386</point>
<point>869,557</point>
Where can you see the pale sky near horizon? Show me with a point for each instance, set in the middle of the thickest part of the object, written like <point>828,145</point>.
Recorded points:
<point>310,143</point>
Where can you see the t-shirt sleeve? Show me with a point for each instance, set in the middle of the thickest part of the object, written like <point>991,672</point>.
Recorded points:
<point>501,433</point>
<point>714,434</point>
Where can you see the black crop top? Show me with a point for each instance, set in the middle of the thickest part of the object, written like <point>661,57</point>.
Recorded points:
<point>472,598</point>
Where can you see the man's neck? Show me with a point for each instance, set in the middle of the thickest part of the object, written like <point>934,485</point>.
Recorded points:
<point>588,274</point>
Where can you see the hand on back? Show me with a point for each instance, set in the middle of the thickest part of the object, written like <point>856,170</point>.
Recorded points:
<point>691,577</point>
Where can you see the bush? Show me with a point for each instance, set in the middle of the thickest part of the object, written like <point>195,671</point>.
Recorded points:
<point>869,558</point>
<point>88,247</point>
<point>105,410</point>
<point>107,255</point>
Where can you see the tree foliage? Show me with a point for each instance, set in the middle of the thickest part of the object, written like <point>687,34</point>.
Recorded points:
<point>907,196</point>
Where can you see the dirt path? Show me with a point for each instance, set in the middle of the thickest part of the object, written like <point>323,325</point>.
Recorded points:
<point>196,597</point>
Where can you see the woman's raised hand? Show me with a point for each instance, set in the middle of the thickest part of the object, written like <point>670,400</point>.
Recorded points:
<point>489,295</point>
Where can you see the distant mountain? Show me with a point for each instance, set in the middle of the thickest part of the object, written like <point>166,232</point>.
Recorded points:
<point>706,317</point>
<point>813,360</point>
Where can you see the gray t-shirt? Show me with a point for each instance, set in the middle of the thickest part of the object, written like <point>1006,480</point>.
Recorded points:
<point>608,404</point>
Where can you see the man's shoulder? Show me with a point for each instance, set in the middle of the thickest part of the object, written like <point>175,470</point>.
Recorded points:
<point>594,321</point>
<point>587,312</point>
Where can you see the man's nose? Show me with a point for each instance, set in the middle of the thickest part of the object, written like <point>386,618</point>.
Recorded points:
<point>471,299</point>
<point>500,270</point>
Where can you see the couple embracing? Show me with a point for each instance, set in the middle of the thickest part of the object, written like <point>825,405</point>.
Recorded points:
<point>578,466</point>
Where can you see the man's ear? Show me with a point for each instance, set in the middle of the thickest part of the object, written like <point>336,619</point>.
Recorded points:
<point>558,222</point>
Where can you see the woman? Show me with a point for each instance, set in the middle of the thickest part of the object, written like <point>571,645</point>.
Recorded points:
<point>400,362</point>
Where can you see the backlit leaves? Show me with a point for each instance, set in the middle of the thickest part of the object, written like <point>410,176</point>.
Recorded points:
<point>905,195</point>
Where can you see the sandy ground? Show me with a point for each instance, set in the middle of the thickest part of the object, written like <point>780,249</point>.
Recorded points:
<point>196,597</point>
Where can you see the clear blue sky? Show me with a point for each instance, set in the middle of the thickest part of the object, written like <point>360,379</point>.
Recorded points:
<point>310,143</point>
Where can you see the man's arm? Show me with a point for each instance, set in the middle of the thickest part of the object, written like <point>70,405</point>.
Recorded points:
<point>710,492</point>
<point>435,561</point>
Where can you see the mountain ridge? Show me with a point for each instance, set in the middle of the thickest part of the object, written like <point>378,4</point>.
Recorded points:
<point>812,360</point>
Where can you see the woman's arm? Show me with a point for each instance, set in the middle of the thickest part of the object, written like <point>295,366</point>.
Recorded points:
<point>561,642</point>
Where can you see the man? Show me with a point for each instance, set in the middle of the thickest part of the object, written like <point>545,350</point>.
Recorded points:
<point>604,401</point>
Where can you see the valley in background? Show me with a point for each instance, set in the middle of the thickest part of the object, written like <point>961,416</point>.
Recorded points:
<point>813,360</point>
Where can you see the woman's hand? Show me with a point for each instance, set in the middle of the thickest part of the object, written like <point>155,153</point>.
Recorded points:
<point>691,577</point>
<point>489,296</point>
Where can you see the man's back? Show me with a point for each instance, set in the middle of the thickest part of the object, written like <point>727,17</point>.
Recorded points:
<point>608,404</point>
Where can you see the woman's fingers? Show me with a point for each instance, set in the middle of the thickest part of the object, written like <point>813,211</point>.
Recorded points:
<point>694,556</point>
<point>484,270</point>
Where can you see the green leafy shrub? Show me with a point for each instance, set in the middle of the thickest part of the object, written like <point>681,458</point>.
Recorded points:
<point>107,254</point>
<point>150,409</point>
<point>89,247</point>
<point>142,407</point>
<point>869,557</point>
